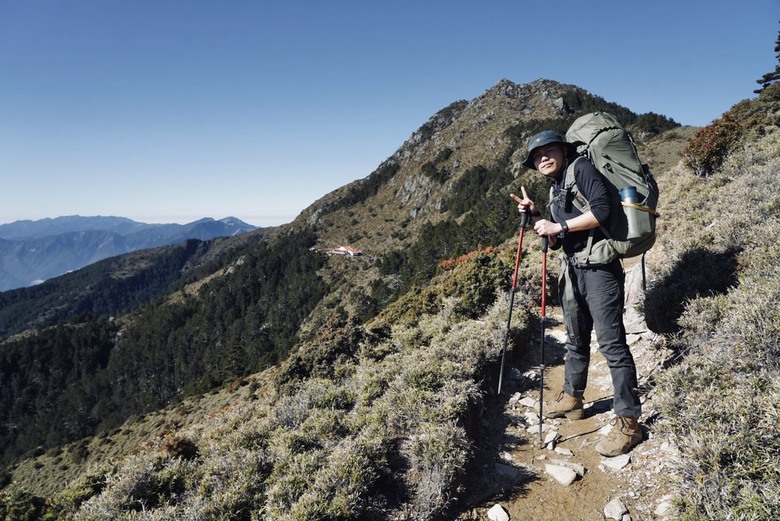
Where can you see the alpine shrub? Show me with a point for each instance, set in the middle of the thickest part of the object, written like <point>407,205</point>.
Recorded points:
<point>709,147</point>
<point>744,123</point>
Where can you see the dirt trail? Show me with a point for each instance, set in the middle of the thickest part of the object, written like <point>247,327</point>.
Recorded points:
<point>512,471</point>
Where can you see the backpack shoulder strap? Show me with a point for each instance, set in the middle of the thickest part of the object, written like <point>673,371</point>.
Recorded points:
<point>570,185</point>
<point>579,201</point>
<point>565,193</point>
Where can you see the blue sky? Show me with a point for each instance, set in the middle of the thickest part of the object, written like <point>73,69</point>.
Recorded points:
<point>173,110</point>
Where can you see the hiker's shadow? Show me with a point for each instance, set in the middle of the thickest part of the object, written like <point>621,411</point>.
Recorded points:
<point>698,272</point>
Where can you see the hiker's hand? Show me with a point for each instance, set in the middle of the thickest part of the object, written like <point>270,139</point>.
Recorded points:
<point>525,204</point>
<point>547,228</point>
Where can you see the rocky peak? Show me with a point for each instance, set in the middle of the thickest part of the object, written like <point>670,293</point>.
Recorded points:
<point>462,135</point>
<point>541,88</point>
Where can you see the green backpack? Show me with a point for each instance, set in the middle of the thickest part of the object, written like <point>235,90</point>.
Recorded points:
<point>630,232</point>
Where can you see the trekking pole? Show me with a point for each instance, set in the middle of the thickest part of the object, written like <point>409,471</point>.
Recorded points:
<point>541,365</point>
<point>523,222</point>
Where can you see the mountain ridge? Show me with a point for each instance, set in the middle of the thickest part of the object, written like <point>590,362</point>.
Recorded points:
<point>471,134</point>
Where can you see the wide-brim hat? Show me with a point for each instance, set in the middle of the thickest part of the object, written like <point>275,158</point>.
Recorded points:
<point>544,138</point>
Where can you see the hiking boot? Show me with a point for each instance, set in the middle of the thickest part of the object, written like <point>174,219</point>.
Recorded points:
<point>565,405</point>
<point>624,436</point>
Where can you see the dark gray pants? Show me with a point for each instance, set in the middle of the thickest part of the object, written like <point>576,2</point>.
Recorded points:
<point>593,298</point>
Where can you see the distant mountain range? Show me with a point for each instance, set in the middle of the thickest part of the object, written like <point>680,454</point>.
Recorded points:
<point>34,251</point>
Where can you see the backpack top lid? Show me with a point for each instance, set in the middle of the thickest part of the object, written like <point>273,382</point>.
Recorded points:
<point>585,128</point>
<point>602,131</point>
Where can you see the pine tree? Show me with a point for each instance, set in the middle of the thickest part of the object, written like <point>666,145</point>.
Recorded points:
<point>771,77</point>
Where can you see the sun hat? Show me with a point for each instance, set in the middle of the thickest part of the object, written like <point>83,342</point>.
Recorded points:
<point>544,138</point>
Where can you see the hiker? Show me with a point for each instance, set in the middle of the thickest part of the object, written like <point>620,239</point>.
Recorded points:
<point>590,296</point>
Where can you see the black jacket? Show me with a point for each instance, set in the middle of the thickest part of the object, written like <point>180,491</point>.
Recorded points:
<point>592,186</point>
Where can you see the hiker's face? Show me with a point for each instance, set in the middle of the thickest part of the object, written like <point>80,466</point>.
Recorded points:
<point>548,160</point>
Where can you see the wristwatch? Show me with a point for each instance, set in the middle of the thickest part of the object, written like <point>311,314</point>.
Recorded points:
<point>564,228</point>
